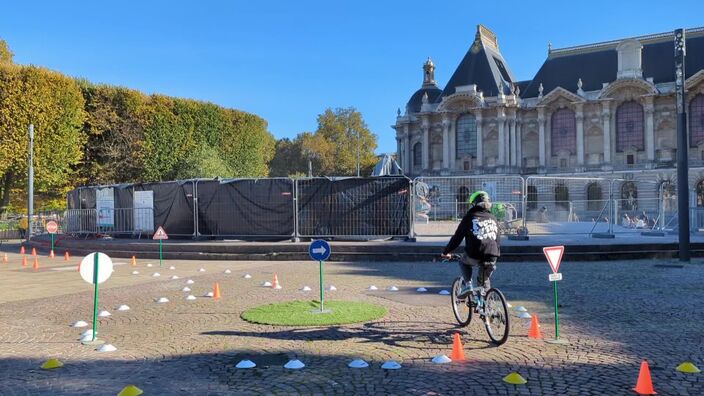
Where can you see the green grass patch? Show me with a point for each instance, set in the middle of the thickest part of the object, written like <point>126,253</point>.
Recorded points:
<point>300,313</point>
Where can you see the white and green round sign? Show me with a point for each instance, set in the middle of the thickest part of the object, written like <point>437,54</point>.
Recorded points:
<point>104,267</point>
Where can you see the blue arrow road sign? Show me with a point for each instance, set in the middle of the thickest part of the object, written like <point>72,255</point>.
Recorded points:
<point>319,250</point>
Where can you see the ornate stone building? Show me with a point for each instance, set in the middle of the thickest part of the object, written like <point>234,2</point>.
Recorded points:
<point>591,109</point>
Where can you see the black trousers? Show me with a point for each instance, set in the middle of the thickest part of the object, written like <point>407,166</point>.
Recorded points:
<point>486,268</point>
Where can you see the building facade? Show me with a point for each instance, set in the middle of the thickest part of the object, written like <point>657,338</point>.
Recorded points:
<point>595,109</point>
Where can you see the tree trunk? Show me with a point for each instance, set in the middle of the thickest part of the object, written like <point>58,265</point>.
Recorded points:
<point>6,187</point>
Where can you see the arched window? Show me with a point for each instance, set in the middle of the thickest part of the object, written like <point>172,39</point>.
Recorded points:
<point>696,120</point>
<point>417,154</point>
<point>629,126</point>
<point>595,200</point>
<point>466,136</point>
<point>629,196</point>
<point>532,197</point>
<point>562,196</point>
<point>668,196</point>
<point>563,131</point>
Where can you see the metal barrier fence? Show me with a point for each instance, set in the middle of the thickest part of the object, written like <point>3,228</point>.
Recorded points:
<point>439,203</point>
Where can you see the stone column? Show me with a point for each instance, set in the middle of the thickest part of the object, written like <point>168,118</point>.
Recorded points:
<point>579,118</point>
<point>512,141</point>
<point>445,142</point>
<point>649,128</point>
<point>453,142</point>
<point>480,139</point>
<point>541,135</point>
<point>502,137</point>
<point>409,150</point>
<point>426,145</point>
<point>606,120</point>
<point>519,143</point>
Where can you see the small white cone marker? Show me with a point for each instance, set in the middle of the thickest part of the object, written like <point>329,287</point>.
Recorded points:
<point>174,277</point>
<point>107,348</point>
<point>190,282</point>
<point>294,364</point>
<point>208,294</point>
<point>444,292</point>
<point>421,290</point>
<point>156,275</point>
<point>149,265</point>
<point>135,272</point>
<point>358,363</point>
<point>201,270</point>
<point>191,297</point>
<point>391,365</point>
<point>123,307</point>
<point>372,287</point>
<point>266,284</point>
<point>88,333</point>
<point>172,268</point>
<point>186,289</point>
<point>80,323</point>
<point>393,288</point>
<point>332,288</point>
<point>227,271</point>
<point>520,308</point>
<point>306,289</point>
<point>86,338</point>
<point>247,276</point>
<point>104,314</point>
<point>441,359</point>
<point>524,315</point>
<point>162,300</point>
<point>246,364</point>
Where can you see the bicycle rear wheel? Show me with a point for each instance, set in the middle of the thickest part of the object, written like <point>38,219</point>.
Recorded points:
<point>496,316</point>
<point>461,307</point>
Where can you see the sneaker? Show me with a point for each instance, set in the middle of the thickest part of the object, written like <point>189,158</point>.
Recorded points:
<point>465,291</point>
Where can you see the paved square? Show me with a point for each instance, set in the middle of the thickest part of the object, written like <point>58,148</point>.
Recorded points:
<point>613,313</point>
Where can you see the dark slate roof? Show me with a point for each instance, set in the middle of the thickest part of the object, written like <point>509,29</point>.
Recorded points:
<point>484,67</point>
<point>414,104</point>
<point>522,85</point>
<point>599,66</point>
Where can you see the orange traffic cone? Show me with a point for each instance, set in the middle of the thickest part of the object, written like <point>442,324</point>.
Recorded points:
<point>534,331</point>
<point>275,284</point>
<point>51,254</point>
<point>4,258</point>
<point>24,261</point>
<point>216,291</point>
<point>34,252</point>
<point>22,251</point>
<point>457,349</point>
<point>66,256</point>
<point>134,261</point>
<point>35,266</point>
<point>644,386</point>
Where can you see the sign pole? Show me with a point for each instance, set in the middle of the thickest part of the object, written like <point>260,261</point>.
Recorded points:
<point>322,290</point>
<point>161,253</point>
<point>52,242</point>
<point>557,318</point>
<point>95,296</point>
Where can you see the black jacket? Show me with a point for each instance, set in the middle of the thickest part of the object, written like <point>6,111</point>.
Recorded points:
<point>480,230</point>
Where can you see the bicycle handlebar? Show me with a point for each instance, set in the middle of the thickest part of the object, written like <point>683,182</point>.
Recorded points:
<point>453,258</point>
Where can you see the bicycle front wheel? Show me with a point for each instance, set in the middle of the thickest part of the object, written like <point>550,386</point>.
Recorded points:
<point>496,316</point>
<point>461,307</point>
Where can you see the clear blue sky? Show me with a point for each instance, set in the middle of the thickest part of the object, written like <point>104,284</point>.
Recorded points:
<point>289,60</point>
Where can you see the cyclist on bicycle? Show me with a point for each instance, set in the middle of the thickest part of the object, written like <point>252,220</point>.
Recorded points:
<point>480,230</point>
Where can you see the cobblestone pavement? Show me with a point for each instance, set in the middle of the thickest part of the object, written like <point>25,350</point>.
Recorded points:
<point>614,314</point>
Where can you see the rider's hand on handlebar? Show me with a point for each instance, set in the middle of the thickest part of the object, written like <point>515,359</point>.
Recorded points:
<point>446,257</point>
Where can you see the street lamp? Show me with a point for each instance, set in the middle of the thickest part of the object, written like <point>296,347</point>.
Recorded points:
<point>30,181</point>
<point>682,148</point>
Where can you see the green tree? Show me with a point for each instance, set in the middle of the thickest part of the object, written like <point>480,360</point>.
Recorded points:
<point>288,159</point>
<point>54,104</point>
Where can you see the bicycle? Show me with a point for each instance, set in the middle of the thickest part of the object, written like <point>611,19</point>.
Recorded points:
<point>490,306</point>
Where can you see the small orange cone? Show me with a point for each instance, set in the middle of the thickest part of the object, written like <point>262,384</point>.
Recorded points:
<point>216,291</point>
<point>66,256</point>
<point>644,386</point>
<point>134,261</point>
<point>4,258</point>
<point>275,284</point>
<point>22,251</point>
<point>534,331</point>
<point>34,252</point>
<point>51,254</point>
<point>35,266</point>
<point>457,349</point>
<point>24,261</point>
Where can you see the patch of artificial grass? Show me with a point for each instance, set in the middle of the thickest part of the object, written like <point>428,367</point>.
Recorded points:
<point>300,313</point>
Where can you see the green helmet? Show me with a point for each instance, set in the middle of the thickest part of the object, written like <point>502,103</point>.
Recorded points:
<point>478,196</point>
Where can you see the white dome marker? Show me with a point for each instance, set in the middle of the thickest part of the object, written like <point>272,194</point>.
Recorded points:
<point>135,272</point>
<point>266,284</point>
<point>208,294</point>
<point>149,265</point>
<point>246,364</point>
<point>123,307</point>
<point>331,288</point>
<point>201,270</point>
<point>421,290</point>
<point>391,365</point>
<point>186,289</point>
<point>104,314</point>
<point>86,338</point>
<point>191,297</point>
<point>372,287</point>
<point>524,315</point>
<point>88,332</point>
<point>174,277</point>
<point>162,300</point>
<point>508,305</point>
<point>156,275</point>
<point>306,289</point>
<point>444,292</point>
<point>358,363</point>
<point>107,348</point>
<point>441,359</point>
<point>172,268</point>
<point>393,288</point>
<point>190,282</point>
<point>80,323</point>
<point>294,364</point>
<point>227,271</point>
<point>247,276</point>
<point>520,308</point>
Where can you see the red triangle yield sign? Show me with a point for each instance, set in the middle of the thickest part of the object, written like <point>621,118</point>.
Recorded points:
<point>554,256</point>
<point>160,234</point>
